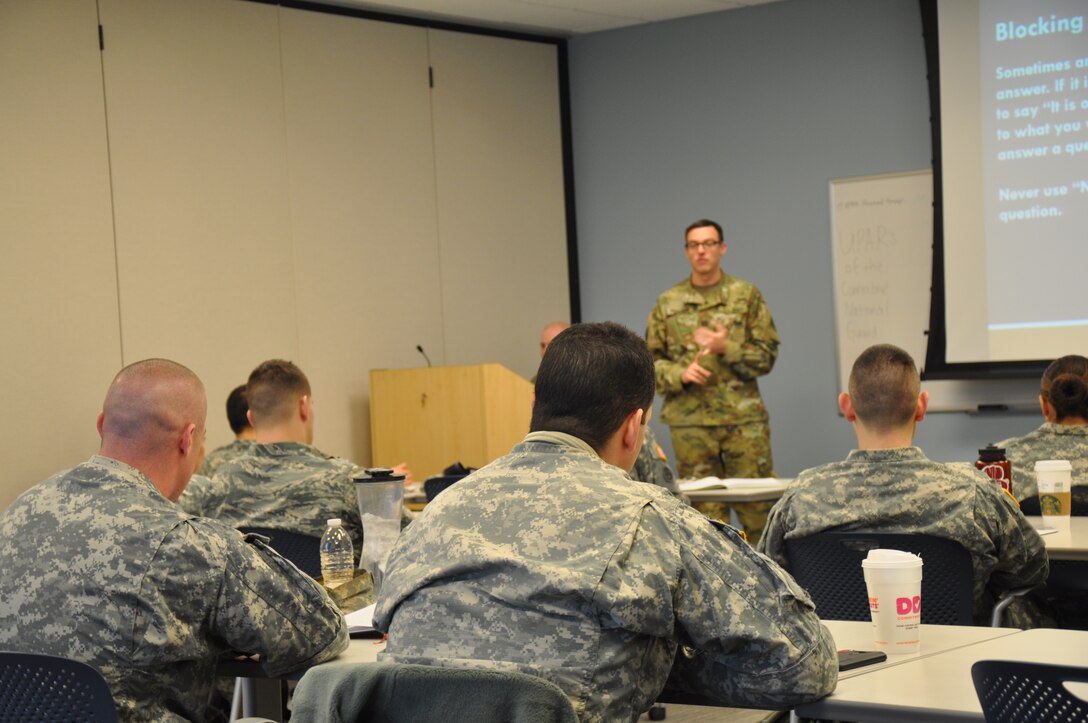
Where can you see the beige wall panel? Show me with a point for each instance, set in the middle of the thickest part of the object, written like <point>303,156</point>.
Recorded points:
<point>58,290</point>
<point>197,144</point>
<point>363,211</point>
<point>502,227</point>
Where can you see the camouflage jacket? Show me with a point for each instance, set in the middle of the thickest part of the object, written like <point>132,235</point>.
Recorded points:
<point>286,486</point>
<point>195,495</point>
<point>900,490</point>
<point>221,455</point>
<point>100,567</point>
<point>1050,441</point>
<point>552,562</point>
<point>731,396</point>
<point>652,466</point>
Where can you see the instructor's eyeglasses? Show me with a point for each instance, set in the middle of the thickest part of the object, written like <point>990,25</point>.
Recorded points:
<point>693,245</point>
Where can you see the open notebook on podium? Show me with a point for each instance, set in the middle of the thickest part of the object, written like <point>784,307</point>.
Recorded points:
<point>730,483</point>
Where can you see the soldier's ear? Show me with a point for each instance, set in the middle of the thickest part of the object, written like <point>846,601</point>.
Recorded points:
<point>921,406</point>
<point>631,428</point>
<point>846,406</point>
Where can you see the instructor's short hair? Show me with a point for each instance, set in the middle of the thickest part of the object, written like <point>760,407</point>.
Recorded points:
<point>273,389</point>
<point>703,223</point>
<point>884,386</point>
<point>591,377</point>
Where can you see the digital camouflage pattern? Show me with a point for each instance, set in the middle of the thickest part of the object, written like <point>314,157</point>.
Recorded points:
<point>551,562</point>
<point>653,467</point>
<point>731,450</point>
<point>194,497</point>
<point>731,396</point>
<point>1050,441</point>
<point>900,490</point>
<point>221,455</point>
<point>287,486</point>
<point>100,567</point>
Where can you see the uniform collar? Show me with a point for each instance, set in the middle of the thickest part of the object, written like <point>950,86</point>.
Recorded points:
<point>560,439</point>
<point>887,455</point>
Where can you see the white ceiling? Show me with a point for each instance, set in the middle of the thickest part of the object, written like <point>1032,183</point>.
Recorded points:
<point>549,17</point>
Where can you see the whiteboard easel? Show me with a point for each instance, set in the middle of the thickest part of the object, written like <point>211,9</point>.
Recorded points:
<point>882,250</point>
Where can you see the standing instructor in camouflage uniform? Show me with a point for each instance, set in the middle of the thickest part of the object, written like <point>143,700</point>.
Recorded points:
<point>711,336</point>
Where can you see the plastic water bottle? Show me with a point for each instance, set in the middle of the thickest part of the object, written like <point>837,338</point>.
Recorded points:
<point>337,555</point>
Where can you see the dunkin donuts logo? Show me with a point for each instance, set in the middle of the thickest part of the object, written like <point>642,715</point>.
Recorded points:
<point>908,605</point>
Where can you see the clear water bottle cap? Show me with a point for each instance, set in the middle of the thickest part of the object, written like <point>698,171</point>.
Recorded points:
<point>334,522</point>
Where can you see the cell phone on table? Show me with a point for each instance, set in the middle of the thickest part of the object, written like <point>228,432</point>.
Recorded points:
<point>850,659</point>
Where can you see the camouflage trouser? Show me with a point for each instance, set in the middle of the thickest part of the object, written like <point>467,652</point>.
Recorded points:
<point>731,450</point>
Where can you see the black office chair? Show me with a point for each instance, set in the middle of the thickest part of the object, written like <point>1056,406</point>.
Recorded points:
<point>48,688</point>
<point>828,566</point>
<point>303,550</point>
<point>1079,507</point>
<point>388,692</point>
<point>433,486</point>
<point>1012,691</point>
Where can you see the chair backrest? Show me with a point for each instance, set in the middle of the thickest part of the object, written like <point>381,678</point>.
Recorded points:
<point>828,566</point>
<point>388,692</point>
<point>35,687</point>
<point>1012,691</point>
<point>1079,507</point>
<point>303,550</point>
<point>432,486</point>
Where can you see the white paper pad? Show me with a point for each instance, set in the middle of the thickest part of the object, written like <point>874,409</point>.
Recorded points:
<point>361,621</point>
<point>731,483</point>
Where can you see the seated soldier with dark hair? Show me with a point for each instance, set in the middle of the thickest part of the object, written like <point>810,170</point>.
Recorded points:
<point>889,485</point>
<point>552,561</point>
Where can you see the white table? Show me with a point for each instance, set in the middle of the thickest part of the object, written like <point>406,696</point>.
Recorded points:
<point>938,687</point>
<point>1069,545</point>
<point>265,694</point>
<point>936,639</point>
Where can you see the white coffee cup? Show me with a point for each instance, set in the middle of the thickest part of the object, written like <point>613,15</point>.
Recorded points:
<point>894,582</point>
<point>1055,478</point>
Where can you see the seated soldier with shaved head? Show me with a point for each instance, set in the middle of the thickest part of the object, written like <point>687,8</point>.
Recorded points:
<point>889,485</point>
<point>101,566</point>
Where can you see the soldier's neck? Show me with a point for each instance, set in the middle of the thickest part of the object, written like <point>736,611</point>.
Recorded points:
<point>708,279</point>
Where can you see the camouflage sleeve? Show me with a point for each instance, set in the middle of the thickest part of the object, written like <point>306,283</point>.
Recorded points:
<point>652,466</point>
<point>667,372</point>
<point>772,542</point>
<point>194,496</point>
<point>1021,553</point>
<point>353,519</point>
<point>263,604</point>
<point>750,633</point>
<point>210,497</point>
<point>756,356</point>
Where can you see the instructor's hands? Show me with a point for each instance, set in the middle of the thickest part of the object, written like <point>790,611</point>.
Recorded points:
<point>696,374</point>
<point>714,341</point>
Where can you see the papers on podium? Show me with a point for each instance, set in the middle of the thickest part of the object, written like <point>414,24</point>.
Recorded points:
<point>731,483</point>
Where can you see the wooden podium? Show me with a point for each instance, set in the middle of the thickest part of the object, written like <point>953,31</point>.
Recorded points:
<point>431,417</point>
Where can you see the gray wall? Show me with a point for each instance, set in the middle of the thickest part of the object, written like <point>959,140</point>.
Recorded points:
<point>744,116</point>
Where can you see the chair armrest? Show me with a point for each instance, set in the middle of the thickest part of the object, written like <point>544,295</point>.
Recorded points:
<point>1005,600</point>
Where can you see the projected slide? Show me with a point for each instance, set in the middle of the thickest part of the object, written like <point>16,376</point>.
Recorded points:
<point>1014,106</point>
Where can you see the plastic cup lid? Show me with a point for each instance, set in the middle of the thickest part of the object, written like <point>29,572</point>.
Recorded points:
<point>377,475</point>
<point>1053,465</point>
<point>882,558</point>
